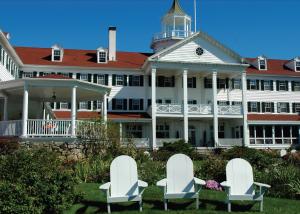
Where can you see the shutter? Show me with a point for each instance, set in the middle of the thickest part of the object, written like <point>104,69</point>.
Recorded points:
<point>130,80</point>
<point>149,80</point>
<point>277,85</point>
<point>124,104</point>
<point>205,82</point>
<point>69,105</point>
<point>218,102</point>
<point>293,86</point>
<point>249,106</point>
<point>89,77</point>
<point>130,104</point>
<point>125,80</point>
<point>113,104</point>
<point>113,79</point>
<point>71,75</point>
<point>149,102</point>
<point>142,80</point>
<point>218,83</point>
<point>57,105</point>
<point>257,84</point>
<point>272,107</point>
<point>106,79</point>
<point>248,84</point>
<point>52,105</point>
<point>263,107</point>
<point>294,107</point>
<point>258,107</point>
<point>288,108</point>
<point>232,83</point>
<point>77,105</point>
<point>173,81</point>
<point>95,78</point>
<point>78,76</point>
<point>107,106</point>
<point>272,85</point>
<point>262,85</point>
<point>34,74</point>
<point>286,85</point>
<point>141,104</point>
<point>89,105</point>
<point>227,83</point>
<point>194,82</point>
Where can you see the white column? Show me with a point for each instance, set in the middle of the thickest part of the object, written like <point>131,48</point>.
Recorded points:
<point>245,110</point>
<point>153,106</point>
<point>5,113</point>
<point>121,132</point>
<point>73,111</point>
<point>185,107</point>
<point>25,111</point>
<point>215,108</point>
<point>104,108</point>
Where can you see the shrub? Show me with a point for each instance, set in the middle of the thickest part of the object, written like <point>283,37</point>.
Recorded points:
<point>8,147</point>
<point>152,171</point>
<point>34,181</point>
<point>212,168</point>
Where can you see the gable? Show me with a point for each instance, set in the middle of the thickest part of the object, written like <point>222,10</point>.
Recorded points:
<point>185,51</point>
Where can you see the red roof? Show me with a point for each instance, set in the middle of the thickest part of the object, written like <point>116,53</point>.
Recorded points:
<point>274,67</point>
<point>275,117</point>
<point>80,58</point>
<point>53,76</point>
<point>94,115</point>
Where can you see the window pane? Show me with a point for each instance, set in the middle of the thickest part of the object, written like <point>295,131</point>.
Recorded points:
<point>278,131</point>
<point>259,131</point>
<point>286,131</point>
<point>268,131</point>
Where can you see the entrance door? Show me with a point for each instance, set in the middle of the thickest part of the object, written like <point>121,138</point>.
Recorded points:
<point>192,135</point>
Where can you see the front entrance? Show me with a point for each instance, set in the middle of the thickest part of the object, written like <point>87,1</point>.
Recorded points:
<point>192,135</point>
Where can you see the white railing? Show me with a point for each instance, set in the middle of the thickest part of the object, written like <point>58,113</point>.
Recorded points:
<point>171,34</point>
<point>169,108</point>
<point>230,142</point>
<point>230,110</point>
<point>200,109</point>
<point>138,142</point>
<point>55,128</point>
<point>161,141</point>
<point>11,128</point>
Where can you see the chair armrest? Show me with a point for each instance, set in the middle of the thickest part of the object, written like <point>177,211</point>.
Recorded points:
<point>142,184</point>
<point>105,187</point>
<point>199,181</point>
<point>162,183</point>
<point>262,185</point>
<point>225,184</point>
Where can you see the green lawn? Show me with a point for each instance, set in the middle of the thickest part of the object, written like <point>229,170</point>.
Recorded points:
<point>211,202</point>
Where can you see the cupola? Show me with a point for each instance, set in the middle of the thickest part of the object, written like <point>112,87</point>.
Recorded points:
<point>57,53</point>
<point>294,64</point>
<point>176,25</point>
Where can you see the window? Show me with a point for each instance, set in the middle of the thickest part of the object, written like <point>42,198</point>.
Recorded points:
<point>84,77</point>
<point>27,74</point>
<point>296,107</point>
<point>221,130</point>
<point>236,103</point>
<point>135,80</point>
<point>119,80</point>
<point>56,55</point>
<point>262,64</point>
<point>297,66</point>
<point>163,81</point>
<point>168,82</point>
<point>253,85</point>
<point>162,131</point>
<point>134,131</point>
<point>136,104</point>
<point>253,107</point>
<point>221,83</point>
<point>223,103</point>
<point>283,107</point>
<point>102,58</point>
<point>191,82</point>
<point>267,85</point>
<point>101,79</point>
<point>295,86</point>
<point>97,105</point>
<point>192,102</point>
<point>158,101</point>
<point>64,105</point>
<point>282,85</point>
<point>236,84</point>
<point>267,107</point>
<point>168,101</point>
<point>83,105</point>
<point>119,104</point>
<point>207,83</point>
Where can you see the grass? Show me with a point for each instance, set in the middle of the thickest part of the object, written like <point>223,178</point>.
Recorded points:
<point>211,202</point>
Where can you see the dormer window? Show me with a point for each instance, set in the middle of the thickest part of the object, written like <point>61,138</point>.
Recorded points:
<point>262,64</point>
<point>297,66</point>
<point>101,55</point>
<point>57,53</point>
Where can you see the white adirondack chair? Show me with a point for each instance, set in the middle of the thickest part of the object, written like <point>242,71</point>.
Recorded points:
<point>240,185</point>
<point>180,181</point>
<point>124,184</point>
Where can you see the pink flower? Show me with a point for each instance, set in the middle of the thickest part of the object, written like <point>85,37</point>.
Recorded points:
<point>213,185</point>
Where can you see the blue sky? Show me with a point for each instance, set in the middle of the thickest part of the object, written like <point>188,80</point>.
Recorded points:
<point>249,27</point>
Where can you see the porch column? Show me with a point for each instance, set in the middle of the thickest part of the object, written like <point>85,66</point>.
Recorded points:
<point>153,106</point>
<point>25,111</point>
<point>121,131</point>
<point>5,113</point>
<point>185,108</point>
<point>104,109</point>
<point>215,109</point>
<point>73,112</point>
<point>245,110</point>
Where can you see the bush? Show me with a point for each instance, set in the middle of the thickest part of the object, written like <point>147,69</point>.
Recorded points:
<point>212,168</point>
<point>34,181</point>
<point>8,147</point>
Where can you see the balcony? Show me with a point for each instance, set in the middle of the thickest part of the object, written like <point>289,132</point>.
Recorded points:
<point>199,109</point>
<point>178,34</point>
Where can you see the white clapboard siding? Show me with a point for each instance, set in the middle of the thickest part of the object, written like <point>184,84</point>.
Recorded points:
<point>186,53</point>
<point>4,74</point>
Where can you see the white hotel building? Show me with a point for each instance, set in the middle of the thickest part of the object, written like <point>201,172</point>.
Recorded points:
<point>191,87</point>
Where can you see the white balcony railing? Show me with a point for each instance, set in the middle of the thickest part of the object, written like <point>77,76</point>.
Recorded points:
<point>200,109</point>
<point>169,108</point>
<point>55,128</point>
<point>11,128</point>
<point>230,110</point>
<point>171,34</point>
<point>230,142</point>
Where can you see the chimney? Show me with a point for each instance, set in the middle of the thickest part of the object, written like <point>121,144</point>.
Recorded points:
<point>112,43</point>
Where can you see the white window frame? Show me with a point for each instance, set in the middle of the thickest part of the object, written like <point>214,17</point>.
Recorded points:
<point>101,79</point>
<point>297,66</point>
<point>164,129</point>
<point>133,130</point>
<point>27,74</point>
<point>136,105</point>
<point>167,81</point>
<point>84,77</point>
<point>190,82</point>
<point>236,84</point>
<point>102,57</point>
<point>222,103</point>
<point>296,86</point>
<point>136,81</point>
<point>57,53</point>
<point>253,107</point>
<point>191,102</point>
<point>268,107</point>
<point>119,104</point>
<point>119,80</point>
<point>64,105</point>
<point>84,105</point>
<point>262,62</point>
<point>297,107</point>
<point>236,103</point>
<point>267,85</point>
<point>282,84</point>
<point>282,108</point>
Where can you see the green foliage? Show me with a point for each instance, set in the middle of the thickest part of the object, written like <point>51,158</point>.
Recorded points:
<point>8,147</point>
<point>212,168</point>
<point>152,171</point>
<point>34,181</point>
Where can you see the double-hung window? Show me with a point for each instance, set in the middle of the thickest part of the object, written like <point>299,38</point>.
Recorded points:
<point>191,82</point>
<point>297,66</point>
<point>83,105</point>
<point>56,55</point>
<point>162,131</point>
<point>136,104</point>
<point>283,108</point>
<point>64,105</point>
<point>267,84</point>
<point>168,82</point>
<point>192,102</point>
<point>84,77</point>
<point>236,84</point>
<point>236,103</point>
<point>253,85</point>
<point>296,107</point>
<point>102,57</point>
<point>267,107</point>
<point>119,80</point>
<point>119,104</point>
<point>296,86</point>
<point>262,64</point>
<point>207,83</point>
<point>135,131</point>
<point>221,83</point>
<point>282,85</point>
<point>253,107</point>
<point>101,79</point>
<point>27,74</point>
<point>136,80</point>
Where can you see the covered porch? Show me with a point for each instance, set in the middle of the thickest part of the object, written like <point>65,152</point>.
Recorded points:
<point>26,112</point>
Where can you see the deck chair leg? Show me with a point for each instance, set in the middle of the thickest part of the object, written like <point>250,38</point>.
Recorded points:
<point>141,205</point>
<point>229,206</point>
<point>108,208</point>
<point>197,203</point>
<point>166,204</point>
<point>261,206</point>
